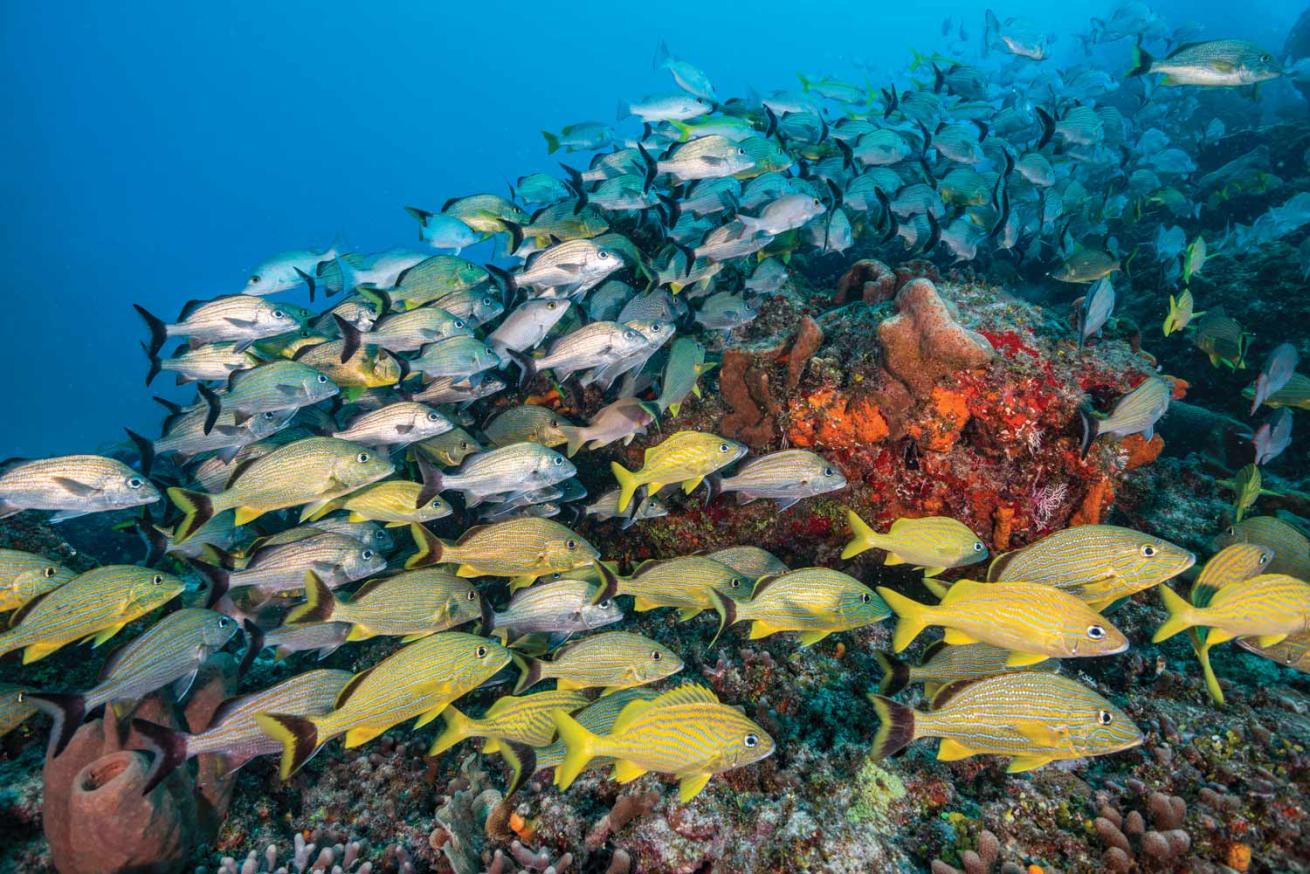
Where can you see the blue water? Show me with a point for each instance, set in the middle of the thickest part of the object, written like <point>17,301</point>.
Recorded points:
<point>157,151</point>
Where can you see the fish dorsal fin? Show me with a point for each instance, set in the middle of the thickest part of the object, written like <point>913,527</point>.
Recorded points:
<point>688,693</point>
<point>350,688</point>
<point>241,468</point>
<point>468,535</point>
<point>107,669</point>
<point>960,590</point>
<point>225,709</point>
<point>645,567</point>
<point>364,590</point>
<point>22,612</point>
<point>763,583</point>
<point>933,650</point>
<point>947,691</point>
<point>188,309</point>
<point>629,714</point>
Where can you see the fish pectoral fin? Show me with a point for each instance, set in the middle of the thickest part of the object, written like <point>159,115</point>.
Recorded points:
<point>81,489</point>
<point>955,637</point>
<point>246,515</point>
<point>467,570</point>
<point>951,750</point>
<point>239,323</point>
<point>491,745</point>
<point>690,485</point>
<point>1267,640</point>
<point>686,613</point>
<point>569,685</point>
<point>893,558</point>
<point>1217,636</point>
<point>691,785</point>
<point>183,684</point>
<point>809,638</point>
<point>1026,763</point>
<point>1024,659</point>
<point>37,651</point>
<point>522,582</point>
<point>429,715</point>
<point>106,633</point>
<point>361,735</point>
<point>641,605</point>
<point>625,771</point>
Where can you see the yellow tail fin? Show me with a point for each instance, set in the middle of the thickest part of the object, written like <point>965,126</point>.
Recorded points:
<point>863,538</point>
<point>627,484</point>
<point>911,617</point>
<point>580,746</point>
<point>458,727</point>
<point>197,509</point>
<point>1182,615</point>
<point>298,736</point>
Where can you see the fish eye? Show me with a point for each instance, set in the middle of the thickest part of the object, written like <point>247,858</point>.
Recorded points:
<point>49,572</point>
<point>1104,717</point>
<point>571,544</point>
<point>1264,58</point>
<point>551,305</point>
<point>751,741</point>
<point>1095,632</point>
<point>828,471</point>
<point>224,622</point>
<point>254,279</point>
<point>368,553</point>
<point>604,256</point>
<point>723,447</point>
<point>322,378</point>
<point>1264,559</point>
<point>741,151</point>
<point>362,457</point>
<point>459,323</point>
<point>135,482</point>
<point>278,314</point>
<point>604,605</point>
<point>558,460</point>
<point>656,655</point>
<point>481,652</point>
<point>268,417</point>
<point>1148,550</point>
<point>472,595</point>
<point>978,546</point>
<point>158,579</point>
<point>865,598</point>
<point>436,504</point>
<point>463,444</point>
<point>629,335</point>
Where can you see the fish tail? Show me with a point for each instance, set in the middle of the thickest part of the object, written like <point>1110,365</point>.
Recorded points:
<point>1091,428</point>
<point>213,404</point>
<point>895,729</point>
<point>430,548</point>
<point>863,537</point>
<point>530,673</point>
<point>197,509</point>
<point>1142,61</point>
<point>527,365</point>
<point>218,578</point>
<point>1182,615</point>
<point>158,331</point>
<point>727,610</point>
<point>609,583</point>
<point>458,727</point>
<point>522,760</point>
<point>579,744</point>
<point>66,713</point>
<point>298,736</point>
<point>1203,656</point>
<point>895,674</point>
<point>156,365</point>
<point>575,438</point>
<point>319,604</point>
<point>169,748</point>
<point>627,484</point>
<point>144,448</point>
<point>911,617</point>
<point>552,142</point>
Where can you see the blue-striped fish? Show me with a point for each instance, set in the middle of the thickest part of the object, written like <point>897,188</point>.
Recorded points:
<point>311,471</point>
<point>411,605</point>
<point>239,318</point>
<point>682,583</point>
<point>815,601</point>
<point>1268,607</point>
<point>395,502</point>
<point>277,385</point>
<point>934,543</point>
<point>171,651</point>
<point>1033,621</point>
<point>686,457</point>
<point>522,549</point>
<point>1291,547</point>
<point>418,680</point>
<point>1232,564</point>
<point>786,476</point>
<point>1098,563</point>
<point>1033,717</point>
<point>92,606</point>
<point>25,576</point>
<point>398,424</point>
<point>943,663</point>
<point>611,660</point>
<point>685,732</point>
<point>751,561</point>
<point>523,719</point>
<point>233,732</point>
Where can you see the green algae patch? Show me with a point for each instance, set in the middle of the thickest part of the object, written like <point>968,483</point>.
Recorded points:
<point>876,790</point>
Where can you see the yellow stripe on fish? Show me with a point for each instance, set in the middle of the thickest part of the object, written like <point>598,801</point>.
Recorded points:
<point>1268,607</point>
<point>523,549</point>
<point>686,457</point>
<point>612,660</point>
<point>815,601</point>
<point>524,719</point>
<point>934,543</point>
<point>1232,564</point>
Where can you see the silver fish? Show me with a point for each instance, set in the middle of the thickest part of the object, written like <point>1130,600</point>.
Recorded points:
<point>72,486</point>
<point>561,607</point>
<point>786,476</point>
<point>396,424</point>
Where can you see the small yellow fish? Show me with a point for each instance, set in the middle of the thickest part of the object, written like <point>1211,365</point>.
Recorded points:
<point>816,601</point>
<point>419,680</point>
<point>1232,564</point>
<point>682,583</point>
<point>1180,313</point>
<point>411,605</point>
<point>613,660</point>
<point>685,732</point>
<point>944,664</point>
<point>522,719</point>
<point>1033,717</point>
<point>395,502</point>
<point>92,606</point>
<point>523,549</point>
<point>1268,607</point>
<point>25,576</point>
<point>1033,621</point>
<point>1291,547</point>
<point>686,457</point>
<point>934,543</point>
